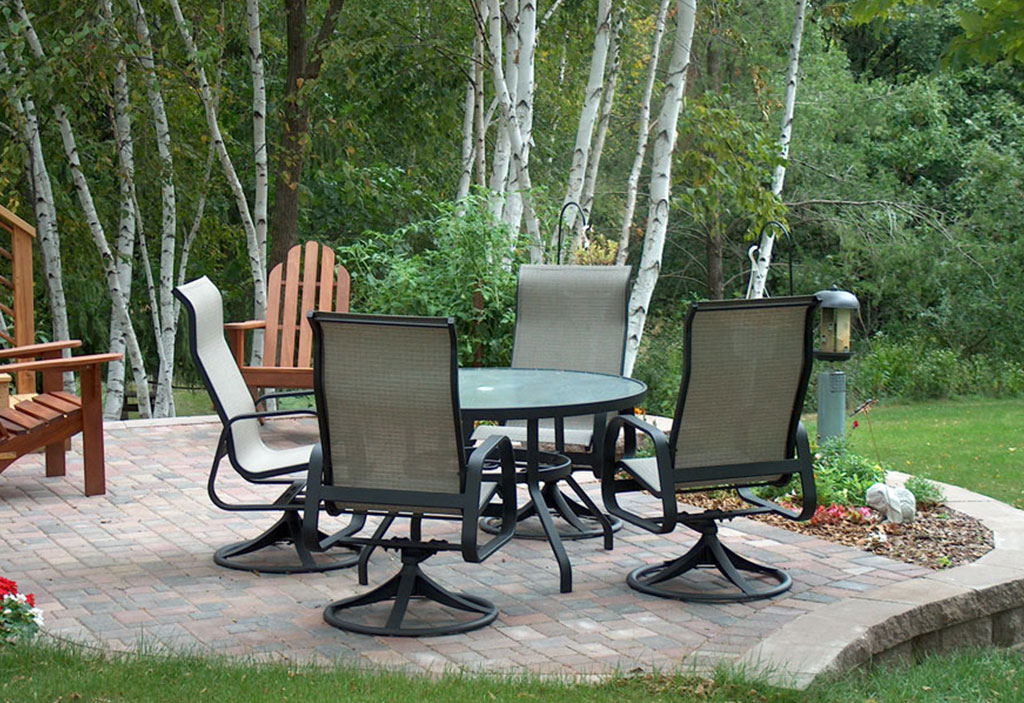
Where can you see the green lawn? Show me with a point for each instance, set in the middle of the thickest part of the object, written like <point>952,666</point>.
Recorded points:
<point>977,444</point>
<point>48,673</point>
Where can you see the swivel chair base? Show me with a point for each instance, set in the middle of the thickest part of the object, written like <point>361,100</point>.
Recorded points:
<point>710,552</point>
<point>408,584</point>
<point>286,530</point>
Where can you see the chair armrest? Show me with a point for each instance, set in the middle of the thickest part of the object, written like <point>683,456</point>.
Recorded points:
<point>282,394</point>
<point>236,337</point>
<point>612,486</point>
<point>74,363</point>
<point>33,350</point>
<point>500,446</point>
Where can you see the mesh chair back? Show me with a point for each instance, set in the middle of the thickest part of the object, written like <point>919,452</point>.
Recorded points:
<point>212,356</point>
<point>387,397</point>
<point>571,317</point>
<point>746,369</point>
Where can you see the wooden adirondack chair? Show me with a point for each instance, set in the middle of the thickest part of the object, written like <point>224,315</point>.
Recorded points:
<point>306,280</point>
<point>50,418</point>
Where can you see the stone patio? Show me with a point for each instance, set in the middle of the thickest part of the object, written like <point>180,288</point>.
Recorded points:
<point>134,567</point>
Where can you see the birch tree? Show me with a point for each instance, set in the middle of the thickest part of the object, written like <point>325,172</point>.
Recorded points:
<point>661,180</point>
<point>588,115</point>
<point>43,206</point>
<point>513,130</point>
<point>96,228</point>
<point>128,225</point>
<point>643,130</point>
<point>255,228</point>
<point>759,269</point>
<point>604,121</point>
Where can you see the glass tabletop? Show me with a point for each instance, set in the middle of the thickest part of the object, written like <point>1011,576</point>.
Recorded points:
<point>509,394</point>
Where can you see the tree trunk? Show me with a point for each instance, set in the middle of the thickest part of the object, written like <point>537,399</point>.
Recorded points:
<point>607,101</point>
<point>125,241</point>
<point>44,208</point>
<point>257,256</point>
<point>92,219</point>
<point>633,182</point>
<point>661,178</point>
<point>759,271</point>
<point>167,332</point>
<point>514,134</point>
<point>588,117</point>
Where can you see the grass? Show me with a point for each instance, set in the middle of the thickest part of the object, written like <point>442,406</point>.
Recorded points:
<point>55,671</point>
<point>976,444</point>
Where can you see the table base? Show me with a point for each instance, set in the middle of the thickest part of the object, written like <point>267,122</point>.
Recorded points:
<point>583,519</point>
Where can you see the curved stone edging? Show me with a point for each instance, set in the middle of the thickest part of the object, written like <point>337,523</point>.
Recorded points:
<point>976,604</point>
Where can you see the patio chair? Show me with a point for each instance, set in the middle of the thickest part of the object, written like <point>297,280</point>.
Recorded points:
<point>308,279</point>
<point>391,445</point>
<point>572,318</point>
<point>736,426</point>
<point>241,442</point>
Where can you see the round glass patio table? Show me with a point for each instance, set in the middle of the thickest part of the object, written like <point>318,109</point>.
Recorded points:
<point>502,394</point>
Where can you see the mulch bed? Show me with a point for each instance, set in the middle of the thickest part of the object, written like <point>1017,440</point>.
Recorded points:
<point>938,538</point>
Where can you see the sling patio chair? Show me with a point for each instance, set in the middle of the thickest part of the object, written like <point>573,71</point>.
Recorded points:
<point>391,445</point>
<point>736,426</point>
<point>251,457</point>
<point>572,318</point>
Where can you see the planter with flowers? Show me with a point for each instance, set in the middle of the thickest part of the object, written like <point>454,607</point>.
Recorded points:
<point>19,616</point>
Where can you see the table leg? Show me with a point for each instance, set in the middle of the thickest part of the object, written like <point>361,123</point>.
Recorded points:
<point>533,486</point>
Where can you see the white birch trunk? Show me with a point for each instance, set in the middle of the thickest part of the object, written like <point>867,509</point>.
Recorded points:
<point>126,230</point>
<point>607,101</point>
<point>759,271</point>
<point>167,332</point>
<point>95,226</point>
<point>257,256</point>
<point>259,129</point>
<point>480,121</point>
<point>502,141</point>
<point>468,136</point>
<point>513,131</point>
<point>512,212</point>
<point>661,180</point>
<point>45,210</point>
<point>633,182</point>
<point>588,117</point>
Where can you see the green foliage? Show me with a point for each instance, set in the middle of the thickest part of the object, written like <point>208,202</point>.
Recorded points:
<point>841,476</point>
<point>462,263</point>
<point>926,493</point>
<point>914,369</point>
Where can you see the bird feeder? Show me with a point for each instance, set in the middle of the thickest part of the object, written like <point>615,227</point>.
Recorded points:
<point>836,324</point>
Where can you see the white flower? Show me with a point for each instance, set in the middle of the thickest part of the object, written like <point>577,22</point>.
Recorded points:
<point>37,615</point>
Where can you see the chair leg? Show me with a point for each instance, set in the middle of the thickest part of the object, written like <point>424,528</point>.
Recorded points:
<point>288,529</point>
<point>709,552</point>
<point>408,584</point>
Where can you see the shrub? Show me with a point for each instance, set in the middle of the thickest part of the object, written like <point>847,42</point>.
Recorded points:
<point>926,493</point>
<point>462,264</point>
<point>841,477</point>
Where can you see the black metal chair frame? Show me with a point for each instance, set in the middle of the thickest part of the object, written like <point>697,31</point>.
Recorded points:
<point>410,582</point>
<point>288,528</point>
<point>709,552</point>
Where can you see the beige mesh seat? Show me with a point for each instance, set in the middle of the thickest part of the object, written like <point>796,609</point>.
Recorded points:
<point>572,318</point>
<point>243,445</point>
<point>391,445</point>
<point>736,426</point>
